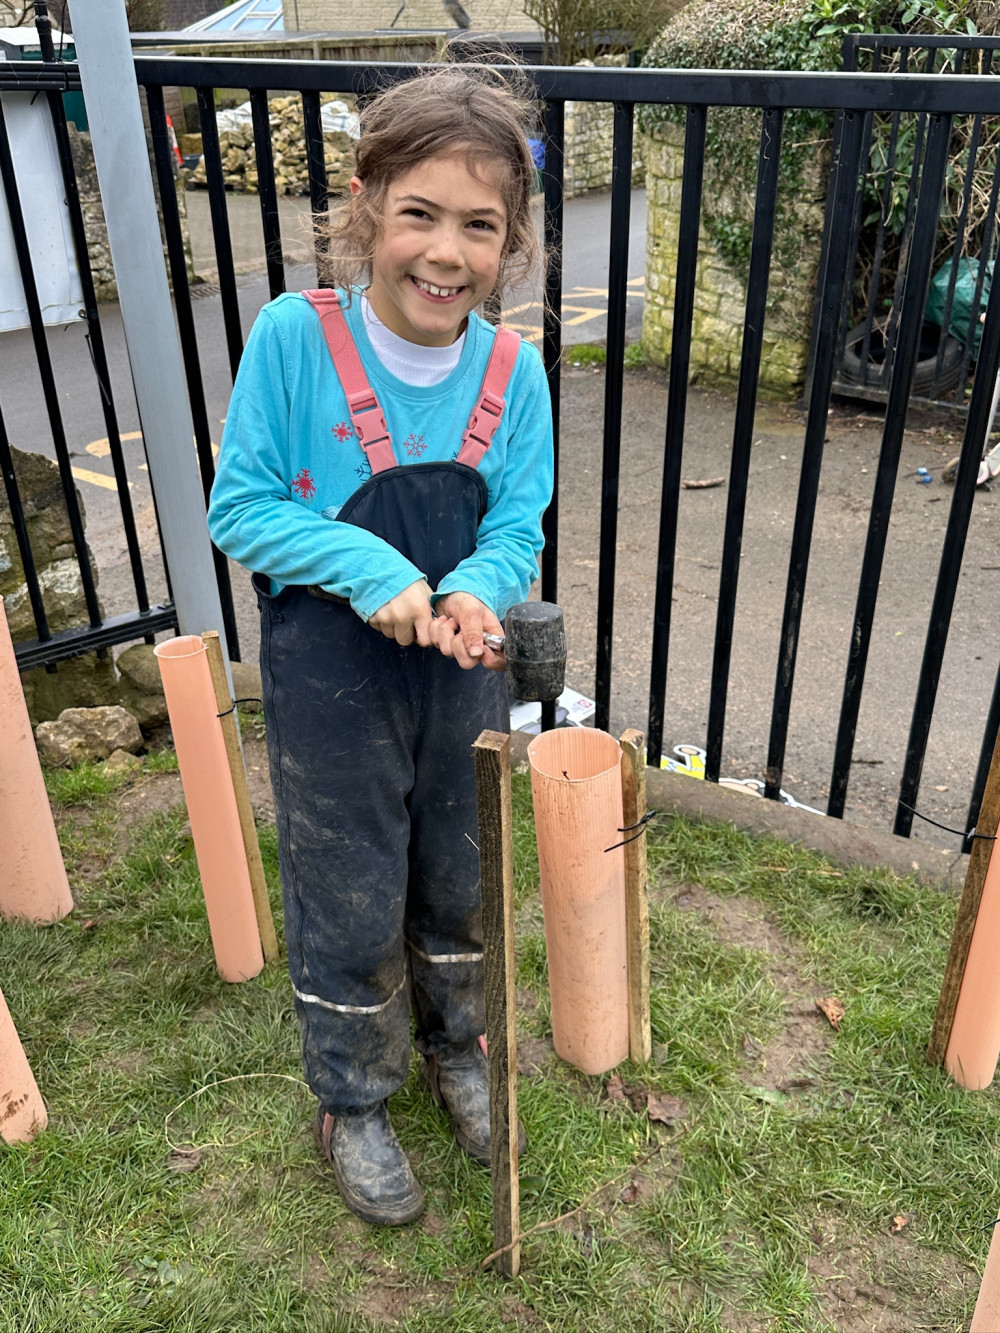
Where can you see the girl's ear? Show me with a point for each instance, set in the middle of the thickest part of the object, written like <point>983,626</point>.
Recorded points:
<point>355,185</point>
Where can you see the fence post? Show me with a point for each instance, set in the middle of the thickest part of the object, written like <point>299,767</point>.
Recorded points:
<point>104,52</point>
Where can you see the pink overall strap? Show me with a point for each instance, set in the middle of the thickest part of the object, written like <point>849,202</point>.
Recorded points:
<point>489,409</point>
<point>367,416</point>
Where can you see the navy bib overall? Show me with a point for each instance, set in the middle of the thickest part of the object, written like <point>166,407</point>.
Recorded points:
<point>375,801</point>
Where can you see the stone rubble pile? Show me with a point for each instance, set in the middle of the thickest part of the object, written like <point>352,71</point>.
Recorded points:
<point>288,146</point>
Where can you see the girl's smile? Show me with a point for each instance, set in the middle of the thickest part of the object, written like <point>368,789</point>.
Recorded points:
<point>438,251</point>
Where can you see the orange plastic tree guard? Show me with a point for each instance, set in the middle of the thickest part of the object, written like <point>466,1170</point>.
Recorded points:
<point>986,1318</point>
<point>211,803</point>
<point>33,883</point>
<point>577,790</point>
<point>974,1041</point>
<point>22,1111</point>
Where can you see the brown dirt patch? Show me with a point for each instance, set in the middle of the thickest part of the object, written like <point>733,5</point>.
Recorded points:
<point>795,1052</point>
<point>886,1284</point>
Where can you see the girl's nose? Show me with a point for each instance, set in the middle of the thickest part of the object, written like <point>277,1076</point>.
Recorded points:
<point>443,247</point>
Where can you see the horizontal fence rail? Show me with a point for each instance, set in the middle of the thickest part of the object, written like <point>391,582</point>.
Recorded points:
<point>851,98</point>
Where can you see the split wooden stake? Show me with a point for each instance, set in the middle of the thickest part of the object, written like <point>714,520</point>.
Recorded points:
<point>234,752</point>
<point>636,895</point>
<point>968,911</point>
<point>496,860</point>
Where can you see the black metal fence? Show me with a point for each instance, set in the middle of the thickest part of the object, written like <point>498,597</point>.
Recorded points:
<point>851,99</point>
<point>894,147</point>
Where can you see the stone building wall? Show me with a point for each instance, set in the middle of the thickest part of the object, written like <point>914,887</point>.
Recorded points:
<point>93,218</point>
<point>720,293</point>
<point>589,134</point>
<point>84,681</point>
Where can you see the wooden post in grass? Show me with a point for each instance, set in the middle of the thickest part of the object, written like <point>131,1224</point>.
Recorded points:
<point>636,895</point>
<point>234,753</point>
<point>965,1037</point>
<point>496,860</point>
<point>986,1318</point>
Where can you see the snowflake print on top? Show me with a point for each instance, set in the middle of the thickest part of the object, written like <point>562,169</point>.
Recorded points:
<point>304,484</point>
<point>343,431</point>
<point>415,445</point>
<point>364,470</point>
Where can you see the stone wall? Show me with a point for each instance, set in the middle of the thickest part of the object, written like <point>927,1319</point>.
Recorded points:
<point>589,134</point>
<point>93,218</point>
<point>82,681</point>
<point>720,293</point>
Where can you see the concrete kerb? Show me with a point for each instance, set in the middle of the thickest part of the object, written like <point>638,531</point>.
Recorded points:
<point>845,844</point>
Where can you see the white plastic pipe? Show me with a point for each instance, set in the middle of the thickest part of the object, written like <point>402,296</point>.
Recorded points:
<point>22,1111</point>
<point>33,883</point>
<point>212,808</point>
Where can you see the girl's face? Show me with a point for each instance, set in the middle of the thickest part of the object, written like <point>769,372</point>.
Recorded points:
<point>438,250</point>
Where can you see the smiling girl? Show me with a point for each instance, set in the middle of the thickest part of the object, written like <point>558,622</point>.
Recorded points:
<point>386,460</point>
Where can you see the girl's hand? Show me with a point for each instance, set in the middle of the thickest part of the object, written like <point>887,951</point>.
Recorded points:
<point>458,631</point>
<point>407,617</point>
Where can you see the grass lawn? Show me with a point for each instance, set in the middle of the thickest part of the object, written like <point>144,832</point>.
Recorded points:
<point>801,1178</point>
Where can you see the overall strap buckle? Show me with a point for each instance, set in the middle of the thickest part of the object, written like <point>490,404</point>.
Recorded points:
<point>489,409</point>
<point>366,413</point>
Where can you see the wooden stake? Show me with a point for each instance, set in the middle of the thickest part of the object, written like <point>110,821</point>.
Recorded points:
<point>496,859</point>
<point>968,910</point>
<point>986,1316</point>
<point>234,753</point>
<point>640,1038</point>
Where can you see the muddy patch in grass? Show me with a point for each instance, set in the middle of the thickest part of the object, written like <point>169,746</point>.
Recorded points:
<point>791,1059</point>
<point>886,1284</point>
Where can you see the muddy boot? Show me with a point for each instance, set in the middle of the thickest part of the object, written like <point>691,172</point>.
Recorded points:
<point>371,1168</point>
<point>458,1080</point>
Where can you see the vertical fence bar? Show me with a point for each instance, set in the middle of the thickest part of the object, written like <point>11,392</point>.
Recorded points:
<point>318,193</point>
<point>177,259</point>
<point>621,200</point>
<point>22,248</point>
<point>833,279</point>
<point>267,192</point>
<point>768,163</point>
<point>552,185</point>
<point>96,343</point>
<point>950,566</point>
<point>13,494</point>
<point>911,317</point>
<point>680,360</point>
<point>983,767</point>
<point>220,225</point>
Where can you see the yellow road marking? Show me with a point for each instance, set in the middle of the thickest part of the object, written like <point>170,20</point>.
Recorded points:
<point>101,448</point>
<point>96,479</point>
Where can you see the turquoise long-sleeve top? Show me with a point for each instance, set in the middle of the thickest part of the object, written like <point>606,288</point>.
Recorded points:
<point>289,460</point>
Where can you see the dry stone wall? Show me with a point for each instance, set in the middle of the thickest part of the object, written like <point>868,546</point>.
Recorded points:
<point>588,136</point>
<point>82,681</point>
<point>720,293</point>
<point>288,149</point>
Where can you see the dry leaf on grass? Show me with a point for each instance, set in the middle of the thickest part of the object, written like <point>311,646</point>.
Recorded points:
<point>614,1089</point>
<point>663,1109</point>
<point>833,1009</point>
<point>630,1193</point>
<point>899,1222</point>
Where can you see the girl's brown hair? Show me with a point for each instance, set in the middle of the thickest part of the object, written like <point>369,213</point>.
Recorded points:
<point>455,109</point>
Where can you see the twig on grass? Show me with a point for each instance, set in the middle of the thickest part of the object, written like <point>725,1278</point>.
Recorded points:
<point>234,1078</point>
<point>550,1222</point>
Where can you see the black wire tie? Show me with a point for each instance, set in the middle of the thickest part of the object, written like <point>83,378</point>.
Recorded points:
<point>959,833</point>
<point>641,826</point>
<point>249,700</point>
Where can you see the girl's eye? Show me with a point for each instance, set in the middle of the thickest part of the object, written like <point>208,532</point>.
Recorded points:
<point>481,224</point>
<point>413,212</point>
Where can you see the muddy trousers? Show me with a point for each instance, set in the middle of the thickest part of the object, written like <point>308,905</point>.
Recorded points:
<point>375,804</point>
